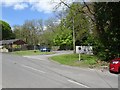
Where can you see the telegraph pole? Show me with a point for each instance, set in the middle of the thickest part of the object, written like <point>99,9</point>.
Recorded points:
<point>74,51</point>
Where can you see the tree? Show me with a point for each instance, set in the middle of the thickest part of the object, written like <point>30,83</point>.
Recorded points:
<point>7,33</point>
<point>105,20</point>
<point>51,24</point>
<point>77,22</point>
<point>46,38</point>
<point>63,38</point>
<point>17,30</point>
<point>29,31</point>
<point>108,27</point>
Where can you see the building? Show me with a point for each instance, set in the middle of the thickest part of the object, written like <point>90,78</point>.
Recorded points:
<point>13,44</point>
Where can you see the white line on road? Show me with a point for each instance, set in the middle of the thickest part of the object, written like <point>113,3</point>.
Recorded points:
<point>78,83</point>
<point>33,69</point>
<point>33,57</point>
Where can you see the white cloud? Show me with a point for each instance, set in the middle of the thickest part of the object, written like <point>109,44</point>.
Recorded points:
<point>43,6</point>
<point>46,6</point>
<point>20,6</point>
<point>9,3</point>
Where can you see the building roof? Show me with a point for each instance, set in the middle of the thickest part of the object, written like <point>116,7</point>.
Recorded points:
<point>12,41</point>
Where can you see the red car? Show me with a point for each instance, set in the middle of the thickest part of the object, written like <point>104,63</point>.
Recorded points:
<point>115,65</point>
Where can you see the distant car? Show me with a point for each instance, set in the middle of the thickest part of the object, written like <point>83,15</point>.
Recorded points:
<point>45,49</point>
<point>115,65</point>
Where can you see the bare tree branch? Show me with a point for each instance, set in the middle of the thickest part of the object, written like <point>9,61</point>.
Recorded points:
<point>88,8</point>
<point>81,11</point>
<point>65,4</point>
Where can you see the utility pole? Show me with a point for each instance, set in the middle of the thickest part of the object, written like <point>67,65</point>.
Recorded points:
<point>74,50</point>
<point>62,18</point>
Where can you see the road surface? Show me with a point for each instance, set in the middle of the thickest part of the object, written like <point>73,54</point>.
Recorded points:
<point>40,72</point>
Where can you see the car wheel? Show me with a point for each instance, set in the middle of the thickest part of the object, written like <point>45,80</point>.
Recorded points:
<point>110,71</point>
<point>119,69</point>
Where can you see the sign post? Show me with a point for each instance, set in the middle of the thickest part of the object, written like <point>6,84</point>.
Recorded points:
<point>79,53</point>
<point>79,57</point>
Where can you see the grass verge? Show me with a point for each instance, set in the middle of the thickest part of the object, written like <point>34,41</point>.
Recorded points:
<point>73,60</point>
<point>30,52</point>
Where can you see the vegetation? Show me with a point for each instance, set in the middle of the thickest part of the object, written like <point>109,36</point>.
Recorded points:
<point>104,26</point>
<point>77,22</point>
<point>30,52</point>
<point>95,24</point>
<point>29,31</point>
<point>73,60</point>
<point>107,27</point>
<point>6,31</point>
<point>63,38</point>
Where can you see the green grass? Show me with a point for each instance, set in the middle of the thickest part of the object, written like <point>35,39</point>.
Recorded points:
<point>30,52</point>
<point>73,60</point>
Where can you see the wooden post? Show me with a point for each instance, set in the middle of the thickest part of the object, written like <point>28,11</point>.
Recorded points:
<point>73,36</point>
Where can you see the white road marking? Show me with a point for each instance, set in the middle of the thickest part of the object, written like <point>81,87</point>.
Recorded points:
<point>34,58</point>
<point>78,83</point>
<point>33,69</point>
<point>91,69</point>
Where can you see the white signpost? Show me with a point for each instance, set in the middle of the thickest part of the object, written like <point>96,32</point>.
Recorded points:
<point>84,50</point>
<point>79,53</point>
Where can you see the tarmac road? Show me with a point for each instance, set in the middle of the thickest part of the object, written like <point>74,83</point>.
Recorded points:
<point>40,72</point>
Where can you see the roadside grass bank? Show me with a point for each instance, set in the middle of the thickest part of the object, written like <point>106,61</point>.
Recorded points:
<point>30,52</point>
<point>90,61</point>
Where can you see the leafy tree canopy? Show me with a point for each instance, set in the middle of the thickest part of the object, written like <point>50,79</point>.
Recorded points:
<point>6,31</point>
<point>108,28</point>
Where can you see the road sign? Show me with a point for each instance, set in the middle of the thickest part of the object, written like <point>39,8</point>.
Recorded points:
<point>84,49</point>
